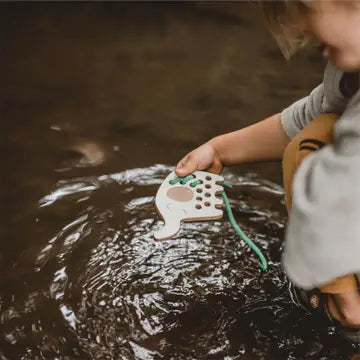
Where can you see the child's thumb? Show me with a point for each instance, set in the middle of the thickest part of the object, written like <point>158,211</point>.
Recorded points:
<point>186,166</point>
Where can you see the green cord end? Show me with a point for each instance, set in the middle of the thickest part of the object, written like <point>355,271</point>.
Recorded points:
<point>263,267</point>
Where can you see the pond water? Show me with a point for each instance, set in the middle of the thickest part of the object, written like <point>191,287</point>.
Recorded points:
<point>98,101</point>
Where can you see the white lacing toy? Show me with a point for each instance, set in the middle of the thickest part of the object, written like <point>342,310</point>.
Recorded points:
<point>192,198</point>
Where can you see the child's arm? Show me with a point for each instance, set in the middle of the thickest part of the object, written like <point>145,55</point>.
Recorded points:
<point>265,140</point>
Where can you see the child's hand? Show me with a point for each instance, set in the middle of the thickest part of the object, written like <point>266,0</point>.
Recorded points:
<point>204,157</point>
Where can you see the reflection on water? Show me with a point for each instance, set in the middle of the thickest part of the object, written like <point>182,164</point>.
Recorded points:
<point>109,291</point>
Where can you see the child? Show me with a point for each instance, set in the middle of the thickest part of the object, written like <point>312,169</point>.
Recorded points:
<point>318,138</point>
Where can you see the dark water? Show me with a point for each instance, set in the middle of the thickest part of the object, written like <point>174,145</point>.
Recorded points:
<point>97,101</point>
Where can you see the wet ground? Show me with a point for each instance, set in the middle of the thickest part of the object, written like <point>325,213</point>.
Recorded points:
<point>98,100</point>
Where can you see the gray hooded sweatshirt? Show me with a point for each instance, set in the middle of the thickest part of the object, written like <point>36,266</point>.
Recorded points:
<point>322,240</point>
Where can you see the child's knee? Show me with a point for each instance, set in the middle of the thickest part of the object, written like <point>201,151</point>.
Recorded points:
<point>312,138</point>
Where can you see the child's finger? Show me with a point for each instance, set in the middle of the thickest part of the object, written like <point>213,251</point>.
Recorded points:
<point>186,166</point>
<point>180,166</point>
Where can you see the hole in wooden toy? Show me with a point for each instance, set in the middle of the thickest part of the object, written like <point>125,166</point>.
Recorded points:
<point>208,186</point>
<point>199,190</point>
<point>198,206</point>
<point>208,178</point>
<point>199,198</point>
<point>207,194</point>
<point>207,203</point>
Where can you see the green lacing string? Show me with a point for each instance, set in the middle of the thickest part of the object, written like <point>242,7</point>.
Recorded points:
<point>249,242</point>
<point>185,180</point>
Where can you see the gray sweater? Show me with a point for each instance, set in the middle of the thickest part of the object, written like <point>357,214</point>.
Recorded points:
<point>322,240</point>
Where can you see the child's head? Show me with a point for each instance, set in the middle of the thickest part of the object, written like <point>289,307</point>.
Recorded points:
<point>335,23</point>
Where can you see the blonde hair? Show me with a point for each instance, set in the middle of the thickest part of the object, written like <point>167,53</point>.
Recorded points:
<point>286,20</point>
